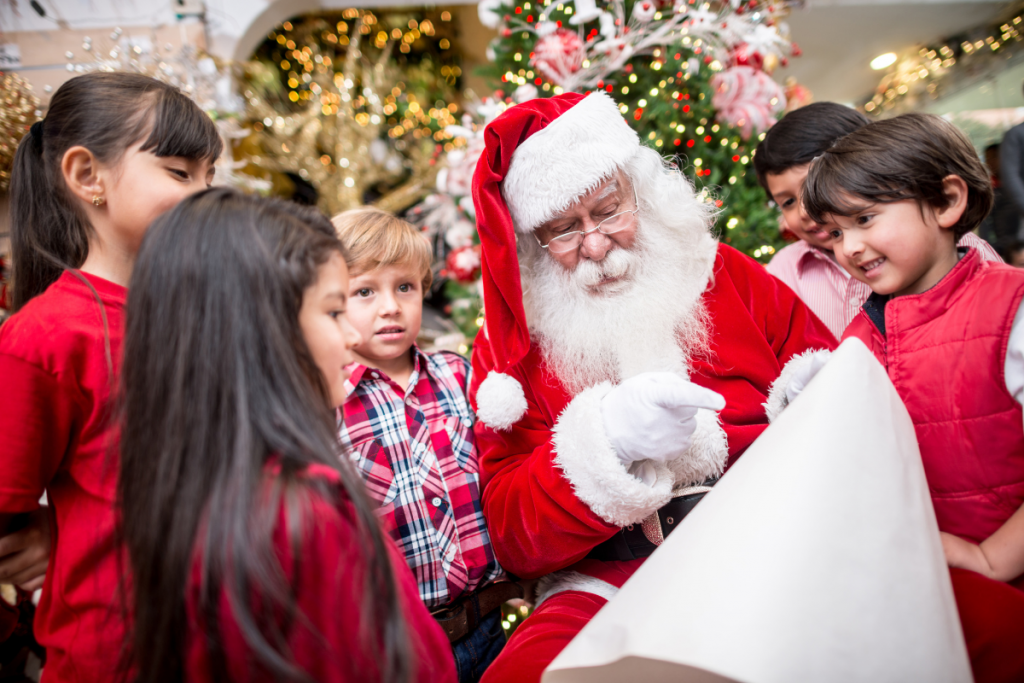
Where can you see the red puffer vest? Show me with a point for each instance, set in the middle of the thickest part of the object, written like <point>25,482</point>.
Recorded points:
<point>945,351</point>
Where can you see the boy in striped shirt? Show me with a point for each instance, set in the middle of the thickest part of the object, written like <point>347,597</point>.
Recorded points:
<point>809,267</point>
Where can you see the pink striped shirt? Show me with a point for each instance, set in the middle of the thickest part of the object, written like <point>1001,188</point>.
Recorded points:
<point>827,289</point>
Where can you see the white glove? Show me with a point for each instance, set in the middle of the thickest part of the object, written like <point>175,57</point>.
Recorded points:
<point>803,375</point>
<point>652,416</point>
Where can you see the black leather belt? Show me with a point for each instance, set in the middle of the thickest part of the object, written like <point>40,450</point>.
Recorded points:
<point>633,542</point>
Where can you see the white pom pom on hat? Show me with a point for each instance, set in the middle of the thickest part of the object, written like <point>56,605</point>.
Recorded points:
<point>500,401</point>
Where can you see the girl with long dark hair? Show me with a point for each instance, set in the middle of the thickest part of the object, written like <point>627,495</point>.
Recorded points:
<point>255,553</point>
<point>114,151</point>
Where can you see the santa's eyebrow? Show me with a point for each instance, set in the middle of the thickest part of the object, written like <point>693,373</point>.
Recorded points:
<point>610,188</point>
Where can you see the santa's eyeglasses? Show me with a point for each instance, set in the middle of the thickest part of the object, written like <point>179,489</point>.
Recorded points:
<point>570,241</point>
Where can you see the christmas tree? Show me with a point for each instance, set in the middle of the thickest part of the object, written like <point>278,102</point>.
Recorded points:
<point>691,79</point>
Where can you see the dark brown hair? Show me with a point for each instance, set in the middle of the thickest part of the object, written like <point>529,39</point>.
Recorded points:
<point>106,113</point>
<point>893,160</point>
<point>802,135</point>
<point>217,380</point>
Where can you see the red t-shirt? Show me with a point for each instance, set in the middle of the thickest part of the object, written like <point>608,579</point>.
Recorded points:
<point>56,435</point>
<point>326,640</point>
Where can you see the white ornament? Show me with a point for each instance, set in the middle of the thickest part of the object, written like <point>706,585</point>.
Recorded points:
<point>643,11</point>
<point>460,234</point>
<point>525,93</point>
<point>546,28</point>
<point>487,10</point>
<point>607,25</point>
<point>586,10</point>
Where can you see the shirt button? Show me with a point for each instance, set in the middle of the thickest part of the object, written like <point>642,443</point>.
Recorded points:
<point>435,501</point>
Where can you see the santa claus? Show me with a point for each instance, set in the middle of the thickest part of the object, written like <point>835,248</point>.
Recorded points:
<point>628,358</point>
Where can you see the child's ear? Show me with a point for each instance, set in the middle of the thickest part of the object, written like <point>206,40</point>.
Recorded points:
<point>955,190</point>
<point>82,173</point>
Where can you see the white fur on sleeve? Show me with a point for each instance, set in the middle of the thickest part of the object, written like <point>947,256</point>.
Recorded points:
<point>569,580</point>
<point>707,454</point>
<point>589,461</point>
<point>777,400</point>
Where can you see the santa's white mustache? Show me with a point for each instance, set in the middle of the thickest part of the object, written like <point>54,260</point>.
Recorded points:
<point>615,264</point>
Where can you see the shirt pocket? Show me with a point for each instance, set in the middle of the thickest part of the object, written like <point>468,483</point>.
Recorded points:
<point>460,434</point>
<point>372,463</point>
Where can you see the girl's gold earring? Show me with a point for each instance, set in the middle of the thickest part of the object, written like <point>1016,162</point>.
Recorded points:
<point>98,201</point>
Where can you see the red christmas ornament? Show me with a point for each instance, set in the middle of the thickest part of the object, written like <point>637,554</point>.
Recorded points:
<point>743,55</point>
<point>464,264</point>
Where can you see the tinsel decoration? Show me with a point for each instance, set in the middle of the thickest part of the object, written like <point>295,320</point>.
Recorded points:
<point>19,111</point>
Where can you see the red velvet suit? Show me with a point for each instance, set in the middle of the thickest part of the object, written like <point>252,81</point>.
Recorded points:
<point>538,523</point>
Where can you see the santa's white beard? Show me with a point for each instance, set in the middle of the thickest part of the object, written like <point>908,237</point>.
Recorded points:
<point>652,320</point>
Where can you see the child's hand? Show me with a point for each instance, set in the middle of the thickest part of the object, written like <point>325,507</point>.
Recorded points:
<point>965,555</point>
<point>24,554</point>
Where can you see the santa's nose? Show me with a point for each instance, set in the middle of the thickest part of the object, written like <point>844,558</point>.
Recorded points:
<point>596,246</point>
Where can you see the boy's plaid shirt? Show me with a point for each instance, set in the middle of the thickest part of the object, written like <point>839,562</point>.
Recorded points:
<point>417,453</point>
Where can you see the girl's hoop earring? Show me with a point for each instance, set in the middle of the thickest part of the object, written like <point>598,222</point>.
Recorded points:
<point>98,200</point>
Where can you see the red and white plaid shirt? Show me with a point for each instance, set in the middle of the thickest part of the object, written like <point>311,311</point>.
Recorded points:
<point>827,289</point>
<point>417,453</point>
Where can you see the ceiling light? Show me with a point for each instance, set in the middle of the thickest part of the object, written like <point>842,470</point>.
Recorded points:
<point>882,61</point>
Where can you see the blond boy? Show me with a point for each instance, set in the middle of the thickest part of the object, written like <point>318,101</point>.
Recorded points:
<point>409,429</point>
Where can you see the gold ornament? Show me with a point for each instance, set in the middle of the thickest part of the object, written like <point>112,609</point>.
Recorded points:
<point>98,201</point>
<point>17,114</point>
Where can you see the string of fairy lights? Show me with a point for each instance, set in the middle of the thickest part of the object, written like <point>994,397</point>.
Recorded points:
<point>923,74</point>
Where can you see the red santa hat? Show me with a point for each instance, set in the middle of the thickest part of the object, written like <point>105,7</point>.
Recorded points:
<point>540,157</point>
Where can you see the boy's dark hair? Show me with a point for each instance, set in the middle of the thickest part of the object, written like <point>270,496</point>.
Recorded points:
<point>106,113</point>
<point>802,135</point>
<point>892,160</point>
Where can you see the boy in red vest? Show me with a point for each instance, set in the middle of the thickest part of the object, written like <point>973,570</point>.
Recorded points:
<point>949,328</point>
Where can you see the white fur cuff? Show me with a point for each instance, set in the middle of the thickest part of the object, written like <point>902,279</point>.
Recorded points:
<point>707,454</point>
<point>589,461</point>
<point>569,580</point>
<point>777,399</point>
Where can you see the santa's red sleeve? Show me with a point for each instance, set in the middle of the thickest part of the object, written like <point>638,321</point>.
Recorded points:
<point>744,295</point>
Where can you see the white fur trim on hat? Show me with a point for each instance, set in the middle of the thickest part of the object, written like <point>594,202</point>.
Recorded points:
<point>569,580</point>
<point>777,399</point>
<point>589,461</point>
<point>556,165</point>
<point>500,401</point>
<point>707,454</point>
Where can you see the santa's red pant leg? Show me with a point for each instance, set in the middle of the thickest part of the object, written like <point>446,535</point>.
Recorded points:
<point>542,636</point>
<point>992,615</point>
<point>991,612</point>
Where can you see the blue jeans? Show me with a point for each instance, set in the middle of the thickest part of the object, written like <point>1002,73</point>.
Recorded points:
<point>478,648</point>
